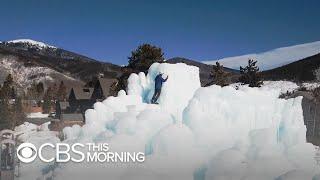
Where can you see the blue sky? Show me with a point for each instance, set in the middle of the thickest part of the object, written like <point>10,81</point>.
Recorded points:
<point>200,30</point>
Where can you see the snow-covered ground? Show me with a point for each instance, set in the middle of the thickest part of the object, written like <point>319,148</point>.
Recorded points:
<point>194,133</point>
<point>273,58</point>
<point>280,86</point>
<point>28,131</point>
<point>310,86</point>
<point>26,75</point>
<point>37,115</point>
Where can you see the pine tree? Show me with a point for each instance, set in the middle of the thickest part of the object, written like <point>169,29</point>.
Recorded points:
<point>18,115</point>
<point>48,96</point>
<point>62,92</point>
<point>54,91</point>
<point>13,94</point>
<point>4,103</point>
<point>144,56</point>
<point>4,114</point>
<point>7,90</point>
<point>140,61</point>
<point>35,91</point>
<point>11,111</point>
<point>9,79</point>
<point>250,74</point>
<point>219,75</point>
<point>40,89</point>
<point>31,91</point>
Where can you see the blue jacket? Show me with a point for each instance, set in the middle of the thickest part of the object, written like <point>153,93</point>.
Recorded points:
<point>158,81</point>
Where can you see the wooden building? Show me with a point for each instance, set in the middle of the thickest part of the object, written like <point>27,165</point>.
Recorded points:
<point>103,88</point>
<point>80,99</point>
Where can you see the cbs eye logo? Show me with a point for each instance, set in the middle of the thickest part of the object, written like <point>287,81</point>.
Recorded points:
<point>27,152</point>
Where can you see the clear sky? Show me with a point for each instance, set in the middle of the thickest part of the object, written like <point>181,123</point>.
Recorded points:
<point>196,29</point>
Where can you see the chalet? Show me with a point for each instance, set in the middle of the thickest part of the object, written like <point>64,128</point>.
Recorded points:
<point>80,99</point>
<point>72,111</point>
<point>102,88</point>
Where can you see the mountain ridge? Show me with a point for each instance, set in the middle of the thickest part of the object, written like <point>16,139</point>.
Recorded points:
<point>33,56</point>
<point>31,60</point>
<point>273,58</point>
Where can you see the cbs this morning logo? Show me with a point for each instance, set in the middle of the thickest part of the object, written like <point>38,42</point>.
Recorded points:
<point>89,152</point>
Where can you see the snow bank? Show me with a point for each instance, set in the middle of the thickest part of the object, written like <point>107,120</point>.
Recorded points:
<point>36,135</point>
<point>279,86</point>
<point>311,86</point>
<point>194,133</point>
<point>28,132</point>
<point>37,115</point>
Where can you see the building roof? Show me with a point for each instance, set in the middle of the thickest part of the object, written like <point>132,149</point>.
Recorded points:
<point>72,117</point>
<point>81,93</point>
<point>106,84</point>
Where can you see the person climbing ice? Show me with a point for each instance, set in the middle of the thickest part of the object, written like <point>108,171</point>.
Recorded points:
<point>158,81</point>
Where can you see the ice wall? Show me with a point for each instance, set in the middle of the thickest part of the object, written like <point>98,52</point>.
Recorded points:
<point>183,81</point>
<point>249,133</point>
<point>195,133</point>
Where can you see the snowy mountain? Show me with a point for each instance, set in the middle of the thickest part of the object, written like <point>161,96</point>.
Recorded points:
<point>31,43</point>
<point>307,69</point>
<point>29,60</point>
<point>24,75</point>
<point>273,58</point>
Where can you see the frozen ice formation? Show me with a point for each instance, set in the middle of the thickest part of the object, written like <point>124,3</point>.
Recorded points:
<point>195,132</point>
